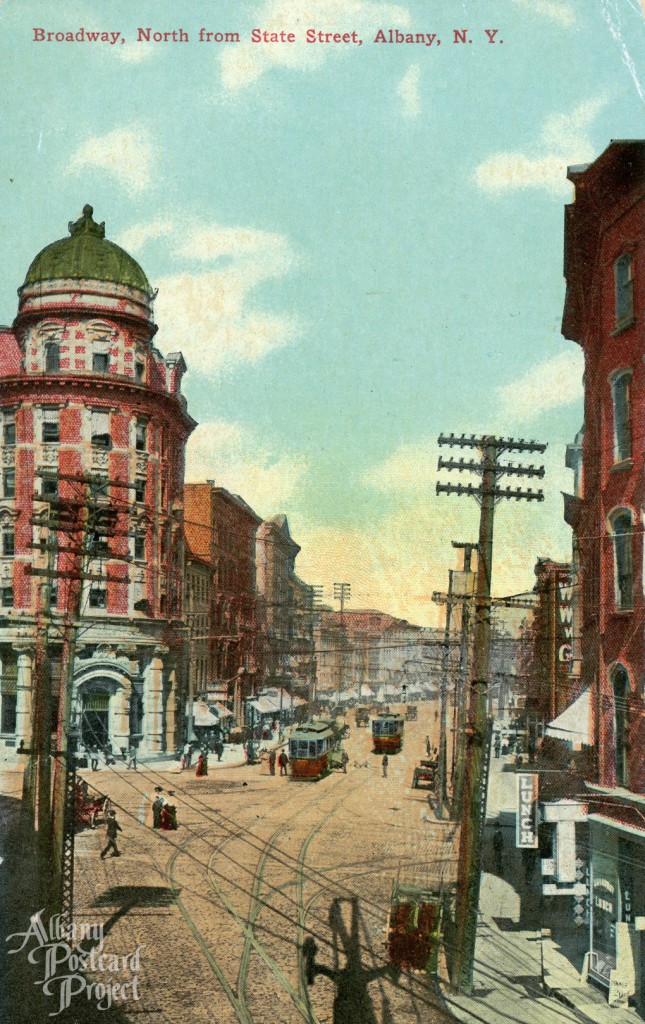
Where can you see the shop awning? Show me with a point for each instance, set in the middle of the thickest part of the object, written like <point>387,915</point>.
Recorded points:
<point>270,703</point>
<point>203,716</point>
<point>574,724</point>
<point>222,711</point>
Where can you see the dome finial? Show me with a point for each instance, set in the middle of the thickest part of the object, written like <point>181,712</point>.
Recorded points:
<point>87,223</point>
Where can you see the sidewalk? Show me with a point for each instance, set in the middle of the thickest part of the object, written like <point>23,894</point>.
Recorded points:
<point>521,972</point>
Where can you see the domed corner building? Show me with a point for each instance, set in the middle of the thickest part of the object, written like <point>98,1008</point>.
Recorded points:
<point>92,443</point>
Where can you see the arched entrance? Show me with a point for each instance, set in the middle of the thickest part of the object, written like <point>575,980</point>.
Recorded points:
<point>95,718</point>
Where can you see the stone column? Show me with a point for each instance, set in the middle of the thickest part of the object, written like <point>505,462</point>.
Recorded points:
<point>119,719</point>
<point>24,690</point>
<point>153,740</point>
<point>171,711</point>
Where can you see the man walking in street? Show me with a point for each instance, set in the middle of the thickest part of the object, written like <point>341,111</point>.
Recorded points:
<point>283,761</point>
<point>272,762</point>
<point>384,762</point>
<point>132,757</point>
<point>112,827</point>
<point>157,807</point>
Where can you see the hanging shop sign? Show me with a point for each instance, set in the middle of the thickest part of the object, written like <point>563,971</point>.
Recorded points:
<point>527,823</point>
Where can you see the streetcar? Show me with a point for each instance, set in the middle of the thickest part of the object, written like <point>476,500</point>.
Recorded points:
<point>387,733</point>
<point>314,749</point>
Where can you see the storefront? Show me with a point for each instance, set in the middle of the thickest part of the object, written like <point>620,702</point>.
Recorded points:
<point>617,909</point>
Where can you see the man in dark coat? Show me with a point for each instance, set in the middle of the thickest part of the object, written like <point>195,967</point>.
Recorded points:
<point>112,827</point>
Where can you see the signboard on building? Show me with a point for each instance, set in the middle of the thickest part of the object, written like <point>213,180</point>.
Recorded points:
<point>526,826</point>
<point>602,959</point>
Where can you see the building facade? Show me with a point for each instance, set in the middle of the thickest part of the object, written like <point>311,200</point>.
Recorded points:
<point>92,441</point>
<point>604,314</point>
<point>223,633</point>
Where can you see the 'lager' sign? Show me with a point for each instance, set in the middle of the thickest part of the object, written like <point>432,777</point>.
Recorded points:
<point>527,791</point>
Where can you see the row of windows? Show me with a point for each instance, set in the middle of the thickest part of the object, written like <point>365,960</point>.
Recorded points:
<point>97,597</point>
<point>100,361</point>
<point>97,544</point>
<point>50,430</point>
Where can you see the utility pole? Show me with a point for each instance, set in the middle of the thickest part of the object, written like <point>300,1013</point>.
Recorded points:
<point>461,703</point>
<point>474,803</point>
<point>443,692</point>
<point>342,593</point>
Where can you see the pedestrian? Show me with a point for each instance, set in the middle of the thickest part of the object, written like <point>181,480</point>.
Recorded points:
<point>157,807</point>
<point>428,747</point>
<point>384,763</point>
<point>94,758</point>
<point>219,750</point>
<point>112,827</point>
<point>436,715</point>
<point>202,764</point>
<point>272,762</point>
<point>132,757</point>
<point>344,759</point>
<point>188,754</point>
<point>498,745</point>
<point>283,761</point>
<point>498,848</point>
<point>108,755</point>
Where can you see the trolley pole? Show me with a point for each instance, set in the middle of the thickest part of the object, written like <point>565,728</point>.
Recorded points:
<point>478,734</point>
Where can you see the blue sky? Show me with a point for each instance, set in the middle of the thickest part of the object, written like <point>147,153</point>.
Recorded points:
<point>355,247</point>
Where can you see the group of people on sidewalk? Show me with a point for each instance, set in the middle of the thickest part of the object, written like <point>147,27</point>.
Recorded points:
<point>164,811</point>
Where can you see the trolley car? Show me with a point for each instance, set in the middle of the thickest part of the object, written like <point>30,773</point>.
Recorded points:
<point>314,749</point>
<point>387,733</point>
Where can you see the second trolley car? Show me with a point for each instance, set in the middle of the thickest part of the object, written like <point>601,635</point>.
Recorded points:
<point>387,733</point>
<point>314,749</point>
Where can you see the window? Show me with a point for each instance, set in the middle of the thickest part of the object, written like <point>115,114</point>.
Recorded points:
<point>139,490</point>
<point>8,542</point>
<point>51,425</point>
<point>98,596</point>
<point>99,486</point>
<point>49,487</point>
<point>8,720</point>
<point>97,544</point>
<point>52,357</point>
<point>140,546</point>
<point>6,597</point>
<point>9,483</point>
<point>100,362</point>
<point>53,595</point>
<point>141,432</point>
<point>622,530</point>
<point>139,370</point>
<point>620,387</point>
<point>620,686</point>
<point>624,289</point>
<point>9,427</point>
<point>101,428</point>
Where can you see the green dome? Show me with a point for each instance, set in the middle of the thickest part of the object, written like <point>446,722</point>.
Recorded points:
<point>88,255</point>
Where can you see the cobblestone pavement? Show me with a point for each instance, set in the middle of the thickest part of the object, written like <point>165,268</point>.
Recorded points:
<point>260,866</point>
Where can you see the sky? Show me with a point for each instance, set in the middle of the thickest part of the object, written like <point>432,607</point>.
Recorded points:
<point>356,247</point>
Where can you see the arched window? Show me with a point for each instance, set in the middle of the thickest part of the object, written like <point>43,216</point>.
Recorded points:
<point>620,397</point>
<point>621,525</point>
<point>620,686</point>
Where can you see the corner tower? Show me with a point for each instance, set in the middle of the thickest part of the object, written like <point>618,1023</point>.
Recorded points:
<point>93,417</point>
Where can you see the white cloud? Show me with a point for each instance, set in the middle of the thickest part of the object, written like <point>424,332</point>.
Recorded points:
<point>134,239</point>
<point>556,10</point>
<point>241,462</point>
<point>548,385</point>
<point>408,92</point>
<point>245,63</point>
<point>564,140</point>
<point>411,467</point>
<point>127,154</point>
<point>412,542</point>
<point>210,312</point>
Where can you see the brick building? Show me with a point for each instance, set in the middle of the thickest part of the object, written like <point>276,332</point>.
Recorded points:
<point>94,424</point>
<point>604,314</point>
<point>220,580</point>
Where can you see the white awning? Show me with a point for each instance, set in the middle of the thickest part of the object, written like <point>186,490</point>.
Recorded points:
<point>574,724</point>
<point>202,715</point>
